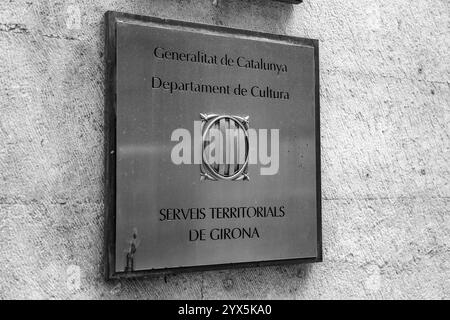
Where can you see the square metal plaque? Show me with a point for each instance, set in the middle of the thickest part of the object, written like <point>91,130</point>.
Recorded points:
<point>212,147</point>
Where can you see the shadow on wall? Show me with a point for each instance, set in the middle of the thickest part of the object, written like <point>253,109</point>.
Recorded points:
<point>287,281</point>
<point>258,15</point>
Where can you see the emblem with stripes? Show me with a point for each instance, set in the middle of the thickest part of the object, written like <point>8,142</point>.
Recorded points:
<point>225,147</point>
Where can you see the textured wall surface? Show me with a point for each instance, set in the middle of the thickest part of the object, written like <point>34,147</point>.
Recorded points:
<point>385,99</point>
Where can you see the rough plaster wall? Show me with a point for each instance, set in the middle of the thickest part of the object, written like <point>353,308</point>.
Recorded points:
<point>385,133</point>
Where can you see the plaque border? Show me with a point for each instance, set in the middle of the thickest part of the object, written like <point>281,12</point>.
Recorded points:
<point>111,18</point>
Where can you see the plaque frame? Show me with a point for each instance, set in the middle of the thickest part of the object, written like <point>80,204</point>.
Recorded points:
<point>111,17</point>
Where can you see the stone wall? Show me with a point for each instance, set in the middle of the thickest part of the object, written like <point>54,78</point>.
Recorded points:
<point>385,112</point>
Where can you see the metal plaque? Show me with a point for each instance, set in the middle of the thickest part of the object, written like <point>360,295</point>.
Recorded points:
<point>212,147</point>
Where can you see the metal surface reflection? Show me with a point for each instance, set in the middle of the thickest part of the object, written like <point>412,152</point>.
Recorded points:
<point>213,155</point>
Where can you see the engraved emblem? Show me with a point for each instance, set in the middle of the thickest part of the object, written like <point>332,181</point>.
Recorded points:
<point>225,147</point>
